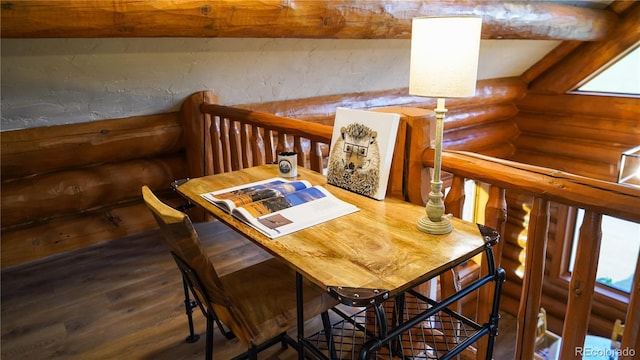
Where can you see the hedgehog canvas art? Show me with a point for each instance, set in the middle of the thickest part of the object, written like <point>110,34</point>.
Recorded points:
<point>361,150</point>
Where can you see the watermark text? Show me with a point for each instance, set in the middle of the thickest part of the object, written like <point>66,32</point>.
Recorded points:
<point>611,353</point>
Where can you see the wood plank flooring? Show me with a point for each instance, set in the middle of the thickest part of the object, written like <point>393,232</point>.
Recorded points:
<point>123,299</point>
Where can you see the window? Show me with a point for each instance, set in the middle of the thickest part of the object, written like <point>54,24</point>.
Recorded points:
<point>618,251</point>
<point>623,77</point>
<point>620,238</point>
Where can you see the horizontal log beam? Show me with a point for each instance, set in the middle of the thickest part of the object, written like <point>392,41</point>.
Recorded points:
<point>322,108</point>
<point>579,127</point>
<point>344,19</point>
<point>501,151</point>
<point>608,107</point>
<point>53,148</point>
<point>62,193</point>
<point>481,114</point>
<point>289,126</point>
<point>479,137</point>
<point>56,236</point>
<point>582,167</point>
<point>606,153</point>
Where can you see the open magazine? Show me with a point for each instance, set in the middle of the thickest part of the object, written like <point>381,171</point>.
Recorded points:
<point>278,207</point>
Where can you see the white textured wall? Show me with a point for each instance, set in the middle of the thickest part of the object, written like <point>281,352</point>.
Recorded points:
<point>57,81</point>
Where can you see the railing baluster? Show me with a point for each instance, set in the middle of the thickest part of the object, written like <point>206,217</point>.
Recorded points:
<point>282,142</point>
<point>225,143</point>
<point>533,278</point>
<point>495,216</point>
<point>315,156</point>
<point>297,147</point>
<point>269,146</point>
<point>207,152</point>
<point>246,153</point>
<point>256,145</point>
<point>581,288</point>
<point>449,285</point>
<point>215,147</point>
<point>454,201</point>
<point>631,334</point>
<point>235,145</point>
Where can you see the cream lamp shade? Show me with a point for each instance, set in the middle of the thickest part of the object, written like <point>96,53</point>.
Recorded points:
<point>444,56</point>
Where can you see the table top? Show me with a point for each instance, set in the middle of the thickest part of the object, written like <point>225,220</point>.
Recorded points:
<point>377,248</point>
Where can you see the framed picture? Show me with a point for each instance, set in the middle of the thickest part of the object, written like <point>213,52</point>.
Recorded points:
<point>361,151</point>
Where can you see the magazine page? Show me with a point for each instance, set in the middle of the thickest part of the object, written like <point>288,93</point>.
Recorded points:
<point>230,198</point>
<point>294,211</point>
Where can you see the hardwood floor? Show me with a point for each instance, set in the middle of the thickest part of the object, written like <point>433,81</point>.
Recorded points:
<point>123,299</point>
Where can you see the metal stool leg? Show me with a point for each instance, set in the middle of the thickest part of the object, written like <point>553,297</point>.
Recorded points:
<point>209,349</point>
<point>326,323</point>
<point>189,305</point>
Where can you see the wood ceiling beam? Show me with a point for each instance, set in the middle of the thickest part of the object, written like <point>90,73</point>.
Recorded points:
<point>589,58</point>
<point>334,19</point>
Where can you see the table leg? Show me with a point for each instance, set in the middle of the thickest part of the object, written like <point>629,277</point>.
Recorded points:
<point>501,276</point>
<point>328,333</point>
<point>397,319</point>
<point>300,316</point>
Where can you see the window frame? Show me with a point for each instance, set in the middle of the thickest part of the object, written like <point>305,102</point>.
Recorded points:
<point>578,91</point>
<point>559,266</point>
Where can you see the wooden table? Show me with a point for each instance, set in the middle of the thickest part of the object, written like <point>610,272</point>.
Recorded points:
<point>365,257</point>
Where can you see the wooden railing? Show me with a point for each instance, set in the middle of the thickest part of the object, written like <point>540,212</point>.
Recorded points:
<point>222,138</point>
<point>234,138</point>
<point>246,138</point>
<point>546,185</point>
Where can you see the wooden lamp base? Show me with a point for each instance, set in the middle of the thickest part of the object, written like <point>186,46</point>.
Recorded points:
<point>434,221</point>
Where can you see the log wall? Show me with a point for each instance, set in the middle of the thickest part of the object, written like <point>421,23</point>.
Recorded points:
<point>577,133</point>
<point>482,123</point>
<point>581,134</point>
<point>69,186</point>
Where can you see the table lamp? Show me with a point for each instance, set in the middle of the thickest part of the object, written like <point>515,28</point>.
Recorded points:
<point>629,172</point>
<point>444,63</point>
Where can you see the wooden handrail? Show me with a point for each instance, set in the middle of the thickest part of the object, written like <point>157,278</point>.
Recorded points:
<point>290,126</point>
<point>573,190</point>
